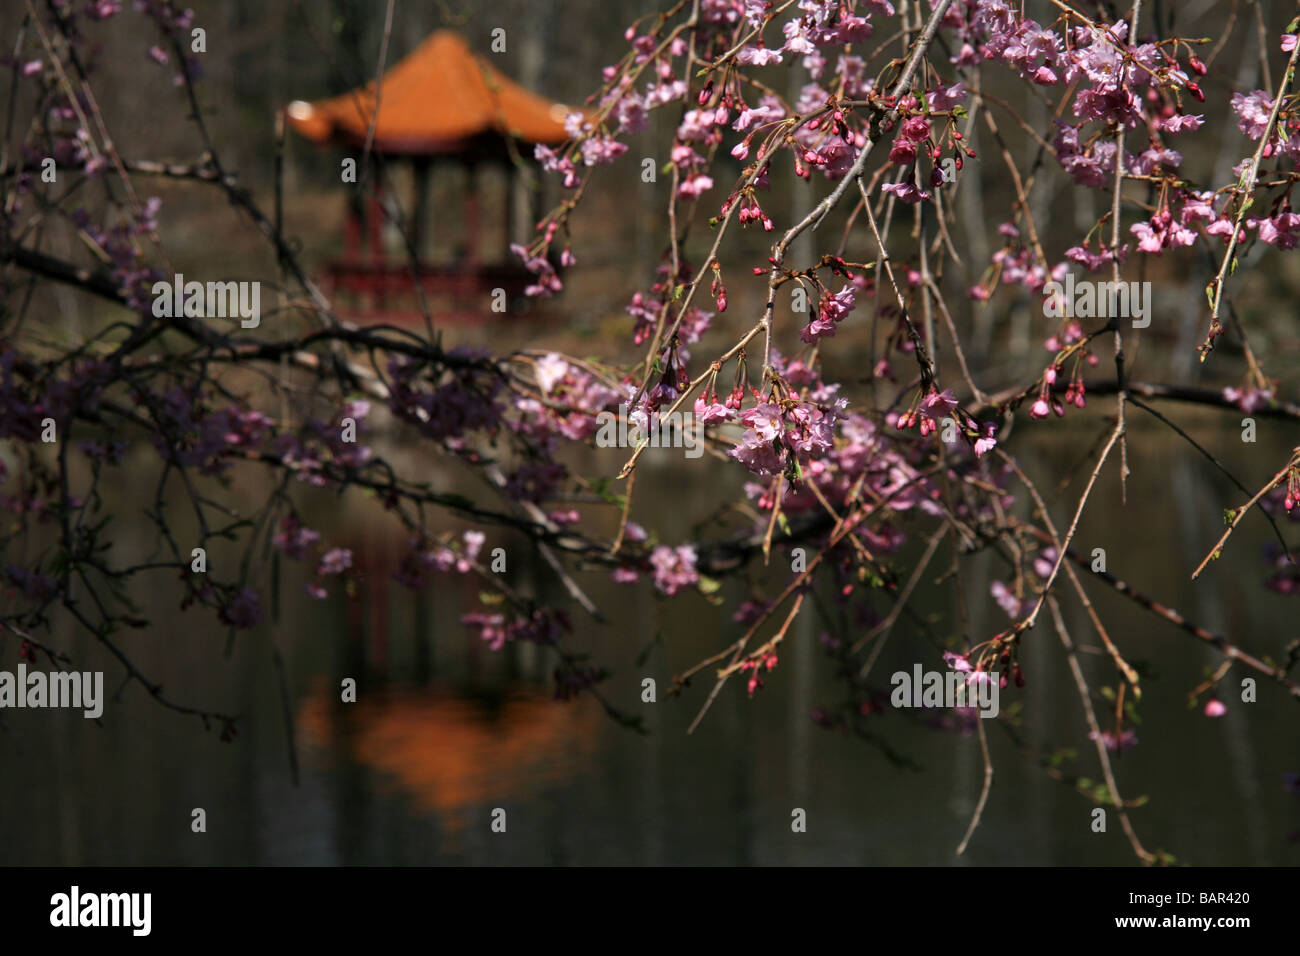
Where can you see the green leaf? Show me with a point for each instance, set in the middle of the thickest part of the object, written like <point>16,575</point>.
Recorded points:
<point>600,486</point>
<point>708,588</point>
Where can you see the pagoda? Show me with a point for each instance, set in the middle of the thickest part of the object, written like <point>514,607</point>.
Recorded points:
<point>441,104</point>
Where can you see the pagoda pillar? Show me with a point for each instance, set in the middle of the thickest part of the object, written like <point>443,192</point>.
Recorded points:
<point>471,217</point>
<point>375,224</point>
<point>420,207</point>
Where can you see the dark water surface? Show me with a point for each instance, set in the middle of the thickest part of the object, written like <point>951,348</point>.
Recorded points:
<point>445,730</point>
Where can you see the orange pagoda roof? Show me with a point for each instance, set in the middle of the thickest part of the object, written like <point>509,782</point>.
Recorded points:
<point>435,101</point>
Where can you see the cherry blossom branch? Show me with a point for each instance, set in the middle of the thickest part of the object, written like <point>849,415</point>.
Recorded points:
<point>1085,698</point>
<point>1245,188</point>
<point>985,788</point>
<point>1217,641</point>
<point>1239,513</point>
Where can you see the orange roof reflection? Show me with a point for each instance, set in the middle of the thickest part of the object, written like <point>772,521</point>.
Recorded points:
<point>451,754</point>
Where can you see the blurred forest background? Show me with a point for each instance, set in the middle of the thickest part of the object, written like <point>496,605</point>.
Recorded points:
<point>263,54</point>
<point>449,730</point>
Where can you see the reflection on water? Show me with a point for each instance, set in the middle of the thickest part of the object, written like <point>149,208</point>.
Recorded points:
<point>450,753</point>
<point>444,730</point>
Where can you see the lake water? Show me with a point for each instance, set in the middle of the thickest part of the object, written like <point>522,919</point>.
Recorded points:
<point>445,731</point>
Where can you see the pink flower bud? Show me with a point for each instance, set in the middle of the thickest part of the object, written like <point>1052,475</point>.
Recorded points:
<point>902,152</point>
<point>917,129</point>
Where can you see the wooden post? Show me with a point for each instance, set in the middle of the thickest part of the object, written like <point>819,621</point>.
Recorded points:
<point>471,217</point>
<point>511,207</point>
<point>420,207</point>
<point>375,226</point>
<point>352,232</point>
<point>536,199</point>
<point>376,280</point>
